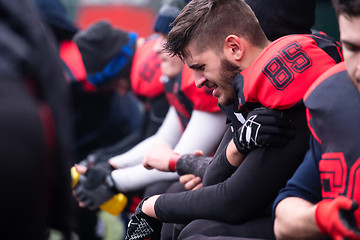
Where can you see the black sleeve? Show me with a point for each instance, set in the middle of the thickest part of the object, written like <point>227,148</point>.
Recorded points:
<point>191,164</point>
<point>219,168</point>
<point>250,189</point>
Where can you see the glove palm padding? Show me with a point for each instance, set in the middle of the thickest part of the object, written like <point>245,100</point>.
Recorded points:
<point>263,127</point>
<point>336,218</point>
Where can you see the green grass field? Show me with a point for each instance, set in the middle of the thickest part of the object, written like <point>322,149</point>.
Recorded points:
<point>113,225</point>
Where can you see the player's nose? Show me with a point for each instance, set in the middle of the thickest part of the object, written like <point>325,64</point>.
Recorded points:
<point>199,79</point>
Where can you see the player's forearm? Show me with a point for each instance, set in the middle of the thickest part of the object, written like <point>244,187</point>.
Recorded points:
<point>294,219</point>
<point>137,177</point>
<point>135,155</point>
<point>191,164</point>
<point>203,132</point>
<point>234,157</point>
<point>198,137</point>
<point>218,170</point>
<point>148,206</point>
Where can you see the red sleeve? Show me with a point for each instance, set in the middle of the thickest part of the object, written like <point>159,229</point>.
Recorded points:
<point>285,70</point>
<point>146,71</point>
<point>70,54</point>
<point>202,98</point>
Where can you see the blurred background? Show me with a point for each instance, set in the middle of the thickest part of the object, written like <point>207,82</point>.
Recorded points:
<point>139,15</point>
<point>131,15</point>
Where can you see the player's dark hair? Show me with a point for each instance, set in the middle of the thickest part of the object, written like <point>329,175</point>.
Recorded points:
<point>349,8</point>
<point>207,23</point>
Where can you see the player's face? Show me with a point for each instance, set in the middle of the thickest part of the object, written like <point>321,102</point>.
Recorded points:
<point>170,66</point>
<point>213,72</point>
<point>350,39</point>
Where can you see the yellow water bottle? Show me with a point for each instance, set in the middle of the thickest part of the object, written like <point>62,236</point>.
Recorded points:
<point>114,205</point>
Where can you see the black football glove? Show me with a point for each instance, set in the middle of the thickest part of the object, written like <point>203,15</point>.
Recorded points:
<point>263,127</point>
<point>97,186</point>
<point>141,226</point>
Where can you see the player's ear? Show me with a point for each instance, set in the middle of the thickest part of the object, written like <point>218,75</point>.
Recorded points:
<point>234,47</point>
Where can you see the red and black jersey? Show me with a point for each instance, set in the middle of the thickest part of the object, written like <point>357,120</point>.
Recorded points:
<point>285,69</point>
<point>183,94</point>
<point>333,113</point>
<point>146,72</point>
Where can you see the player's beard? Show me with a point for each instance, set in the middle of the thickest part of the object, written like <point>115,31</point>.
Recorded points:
<point>228,73</point>
<point>229,70</point>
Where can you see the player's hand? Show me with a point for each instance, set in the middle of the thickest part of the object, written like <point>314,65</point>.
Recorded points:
<point>141,226</point>
<point>263,127</point>
<point>336,218</point>
<point>95,187</point>
<point>190,181</point>
<point>158,157</point>
<point>198,153</point>
<point>90,160</point>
